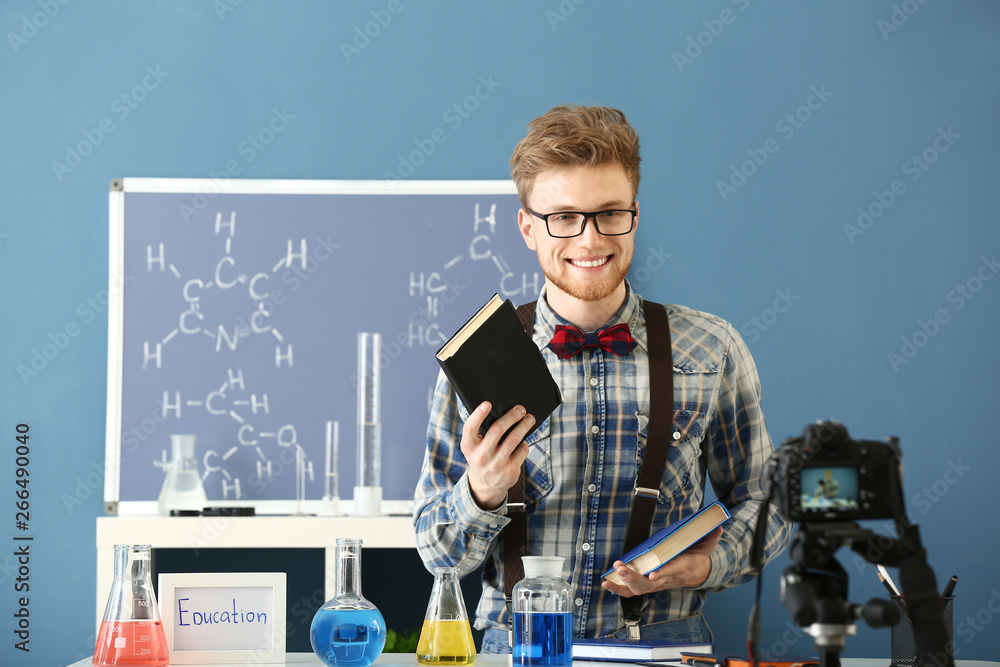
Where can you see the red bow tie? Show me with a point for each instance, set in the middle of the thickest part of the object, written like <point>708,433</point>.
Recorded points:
<point>568,340</point>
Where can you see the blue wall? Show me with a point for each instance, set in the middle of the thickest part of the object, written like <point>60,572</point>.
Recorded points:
<point>859,259</point>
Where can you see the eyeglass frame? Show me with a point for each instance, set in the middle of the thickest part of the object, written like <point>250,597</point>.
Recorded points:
<point>586,216</point>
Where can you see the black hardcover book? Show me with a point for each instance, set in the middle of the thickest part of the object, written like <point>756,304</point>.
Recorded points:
<point>492,358</point>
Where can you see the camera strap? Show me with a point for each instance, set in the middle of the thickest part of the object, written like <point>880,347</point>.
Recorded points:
<point>647,486</point>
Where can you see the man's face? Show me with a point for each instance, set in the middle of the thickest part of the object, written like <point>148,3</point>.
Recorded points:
<point>589,267</point>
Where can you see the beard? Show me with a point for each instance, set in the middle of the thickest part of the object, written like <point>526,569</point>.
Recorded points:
<point>593,289</point>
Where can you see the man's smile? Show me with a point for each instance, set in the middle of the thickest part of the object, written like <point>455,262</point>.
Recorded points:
<point>590,263</point>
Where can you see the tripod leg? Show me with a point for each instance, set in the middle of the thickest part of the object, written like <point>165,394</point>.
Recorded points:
<point>829,658</point>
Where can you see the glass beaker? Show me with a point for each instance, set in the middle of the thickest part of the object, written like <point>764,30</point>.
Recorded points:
<point>446,636</point>
<point>182,488</point>
<point>348,631</point>
<point>543,614</point>
<point>131,632</point>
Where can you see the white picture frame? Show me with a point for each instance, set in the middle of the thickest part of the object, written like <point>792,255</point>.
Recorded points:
<point>223,617</point>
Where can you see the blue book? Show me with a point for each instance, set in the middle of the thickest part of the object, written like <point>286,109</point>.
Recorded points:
<point>643,650</point>
<point>665,544</point>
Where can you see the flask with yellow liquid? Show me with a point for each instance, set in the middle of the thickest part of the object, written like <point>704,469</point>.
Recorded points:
<point>446,637</point>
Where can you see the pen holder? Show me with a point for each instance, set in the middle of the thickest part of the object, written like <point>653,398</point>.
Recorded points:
<point>904,646</point>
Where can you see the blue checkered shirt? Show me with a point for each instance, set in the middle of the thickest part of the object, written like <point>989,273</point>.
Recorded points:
<point>583,461</point>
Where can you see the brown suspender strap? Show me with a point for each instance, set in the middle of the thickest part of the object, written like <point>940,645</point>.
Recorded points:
<point>658,441</point>
<point>515,533</point>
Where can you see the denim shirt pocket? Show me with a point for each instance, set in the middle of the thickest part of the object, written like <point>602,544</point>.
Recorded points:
<point>682,472</point>
<point>538,466</point>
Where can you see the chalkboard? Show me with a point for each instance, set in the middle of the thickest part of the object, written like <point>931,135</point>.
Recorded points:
<point>235,309</point>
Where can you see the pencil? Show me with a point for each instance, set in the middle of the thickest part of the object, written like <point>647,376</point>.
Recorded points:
<point>887,580</point>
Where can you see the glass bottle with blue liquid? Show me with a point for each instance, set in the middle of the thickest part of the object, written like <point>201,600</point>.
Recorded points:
<point>543,614</point>
<point>348,631</point>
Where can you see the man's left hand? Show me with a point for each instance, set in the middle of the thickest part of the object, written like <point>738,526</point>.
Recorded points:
<point>688,570</point>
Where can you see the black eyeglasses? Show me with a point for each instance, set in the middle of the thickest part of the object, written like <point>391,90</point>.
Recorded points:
<point>567,224</point>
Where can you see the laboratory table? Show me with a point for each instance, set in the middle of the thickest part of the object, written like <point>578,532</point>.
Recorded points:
<point>290,532</point>
<point>410,660</point>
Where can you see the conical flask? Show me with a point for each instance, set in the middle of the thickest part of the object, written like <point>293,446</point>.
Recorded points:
<point>348,631</point>
<point>131,632</point>
<point>182,488</point>
<point>446,636</point>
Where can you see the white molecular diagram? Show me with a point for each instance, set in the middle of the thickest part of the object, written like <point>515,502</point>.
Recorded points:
<point>222,401</point>
<point>227,402</point>
<point>223,279</point>
<point>441,290</point>
<point>257,447</point>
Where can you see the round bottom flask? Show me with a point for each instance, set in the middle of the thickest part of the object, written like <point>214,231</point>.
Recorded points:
<point>348,631</point>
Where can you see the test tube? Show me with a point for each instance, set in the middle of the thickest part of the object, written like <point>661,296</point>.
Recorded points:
<point>332,444</point>
<point>368,484</point>
<point>302,468</point>
<point>331,495</point>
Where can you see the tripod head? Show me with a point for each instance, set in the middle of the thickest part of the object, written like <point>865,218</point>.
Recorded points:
<point>814,589</point>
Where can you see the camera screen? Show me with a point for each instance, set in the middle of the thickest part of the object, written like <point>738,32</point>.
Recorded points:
<point>829,489</point>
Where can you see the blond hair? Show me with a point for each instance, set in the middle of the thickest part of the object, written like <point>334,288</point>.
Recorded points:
<point>573,135</point>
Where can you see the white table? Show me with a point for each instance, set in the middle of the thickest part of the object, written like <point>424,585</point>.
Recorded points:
<point>255,532</point>
<point>410,660</point>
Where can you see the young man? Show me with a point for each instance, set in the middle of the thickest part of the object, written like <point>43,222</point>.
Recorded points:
<point>577,175</point>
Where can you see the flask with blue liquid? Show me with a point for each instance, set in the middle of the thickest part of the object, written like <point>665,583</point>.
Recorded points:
<point>543,614</point>
<point>348,631</point>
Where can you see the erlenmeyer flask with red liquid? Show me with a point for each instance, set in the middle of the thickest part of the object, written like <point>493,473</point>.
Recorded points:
<point>131,632</point>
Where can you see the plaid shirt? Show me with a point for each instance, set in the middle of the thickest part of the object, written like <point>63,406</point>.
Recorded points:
<point>583,462</point>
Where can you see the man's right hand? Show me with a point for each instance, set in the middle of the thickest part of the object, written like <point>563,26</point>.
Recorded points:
<point>495,465</point>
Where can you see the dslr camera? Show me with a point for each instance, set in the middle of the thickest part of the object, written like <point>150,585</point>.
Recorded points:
<point>825,476</point>
<point>825,482</point>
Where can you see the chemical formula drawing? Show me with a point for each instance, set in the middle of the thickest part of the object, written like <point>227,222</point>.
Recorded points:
<point>226,276</point>
<point>223,400</point>
<point>241,324</point>
<point>440,289</point>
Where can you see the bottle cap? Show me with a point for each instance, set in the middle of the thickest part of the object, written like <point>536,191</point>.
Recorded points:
<point>542,566</point>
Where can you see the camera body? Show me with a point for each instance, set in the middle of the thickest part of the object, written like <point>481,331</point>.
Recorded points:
<point>825,476</point>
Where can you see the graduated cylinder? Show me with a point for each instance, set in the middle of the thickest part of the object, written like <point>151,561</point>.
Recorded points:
<point>368,486</point>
